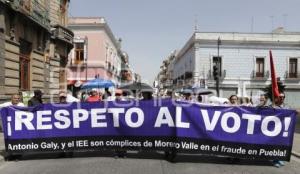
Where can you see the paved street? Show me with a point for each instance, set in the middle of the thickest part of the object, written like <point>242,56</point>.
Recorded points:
<point>104,162</point>
<point>130,165</point>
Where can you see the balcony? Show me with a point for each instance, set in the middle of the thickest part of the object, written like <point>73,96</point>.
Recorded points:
<point>163,77</point>
<point>221,77</point>
<point>292,76</point>
<point>33,9</point>
<point>63,34</point>
<point>260,75</point>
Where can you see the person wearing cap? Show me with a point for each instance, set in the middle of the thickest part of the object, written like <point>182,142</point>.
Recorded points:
<point>36,99</point>
<point>94,97</point>
<point>62,97</point>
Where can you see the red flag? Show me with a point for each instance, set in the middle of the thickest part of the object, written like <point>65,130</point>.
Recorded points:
<point>275,90</point>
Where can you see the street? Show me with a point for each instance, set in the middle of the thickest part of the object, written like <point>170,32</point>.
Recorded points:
<point>132,164</point>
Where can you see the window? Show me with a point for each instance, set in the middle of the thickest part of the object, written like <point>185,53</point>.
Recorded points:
<point>79,53</point>
<point>24,73</point>
<point>218,62</point>
<point>293,68</point>
<point>25,50</point>
<point>260,67</point>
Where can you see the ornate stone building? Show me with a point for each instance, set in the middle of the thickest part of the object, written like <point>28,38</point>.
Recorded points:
<point>33,46</point>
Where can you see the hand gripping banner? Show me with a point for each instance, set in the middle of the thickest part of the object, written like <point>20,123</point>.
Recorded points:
<point>242,132</point>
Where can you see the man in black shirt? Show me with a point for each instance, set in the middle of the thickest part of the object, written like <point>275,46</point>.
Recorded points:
<point>36,99</point>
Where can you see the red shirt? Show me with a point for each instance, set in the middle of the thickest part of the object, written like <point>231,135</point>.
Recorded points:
<point>95,98</point>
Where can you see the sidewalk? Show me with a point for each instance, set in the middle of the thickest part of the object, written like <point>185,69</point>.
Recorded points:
<point>296,145</point>
<point>2,146</point>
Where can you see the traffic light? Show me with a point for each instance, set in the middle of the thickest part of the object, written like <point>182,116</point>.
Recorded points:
<point>215,72</point>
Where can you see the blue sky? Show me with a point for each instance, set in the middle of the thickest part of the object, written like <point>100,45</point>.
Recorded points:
<point>152,29</point>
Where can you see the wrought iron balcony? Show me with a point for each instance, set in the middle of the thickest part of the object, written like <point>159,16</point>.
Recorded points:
<point>260,75</point>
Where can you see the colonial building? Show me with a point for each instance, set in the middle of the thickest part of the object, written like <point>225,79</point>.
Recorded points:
<point>242,60</point>
<point>60,45</point>
<point>96,54</point>
<point>126,71</point>
<point>33,47</point>
<point>164,80</point>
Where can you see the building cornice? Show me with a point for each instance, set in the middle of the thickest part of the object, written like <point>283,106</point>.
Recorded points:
<point>94,27</point>
<point>287,40</point>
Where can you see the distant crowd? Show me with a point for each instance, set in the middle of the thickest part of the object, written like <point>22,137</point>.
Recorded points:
<point>96,95</point>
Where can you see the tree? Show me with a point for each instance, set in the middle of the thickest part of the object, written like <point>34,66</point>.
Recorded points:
<point>268,89</point>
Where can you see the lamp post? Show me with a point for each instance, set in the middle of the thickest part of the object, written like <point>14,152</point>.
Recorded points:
<point>86,56</point>
<point>217,69</point>
<point>219,43</point>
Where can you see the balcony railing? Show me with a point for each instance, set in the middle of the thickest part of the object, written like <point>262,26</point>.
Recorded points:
<point>32,8</point>
<point>292,76</point>
<point>260,75</point>
<point>63,34</point>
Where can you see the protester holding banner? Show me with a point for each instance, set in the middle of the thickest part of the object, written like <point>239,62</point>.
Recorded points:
<point>119,95</point>
<point>233,99</point>
<point>263,99</point>
<point>95,96</point>
<point>106,94</point>
<point>62,97</point>
<point>279,101</point>
<point>187,96</point>
<point>15,101</point>
<point>245,101</point>
<point>147,95</point>
<point>36,99</point>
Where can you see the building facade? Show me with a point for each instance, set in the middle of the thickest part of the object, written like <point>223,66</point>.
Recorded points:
<point>126,71</point>
<point>96,54</point>
<point>242,60</point>
<point>32,50</point>
<point>164,79</point>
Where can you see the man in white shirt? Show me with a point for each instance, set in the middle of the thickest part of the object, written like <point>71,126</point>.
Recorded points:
<point>15,100</point>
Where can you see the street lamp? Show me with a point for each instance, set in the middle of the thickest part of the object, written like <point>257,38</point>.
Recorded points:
<point>216,69</point>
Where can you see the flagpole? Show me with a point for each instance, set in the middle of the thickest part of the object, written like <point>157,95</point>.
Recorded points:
<point>273,100</point>
<point>275,91</point>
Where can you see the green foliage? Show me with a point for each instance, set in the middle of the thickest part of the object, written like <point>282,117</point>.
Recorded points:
<point>268,89</point>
